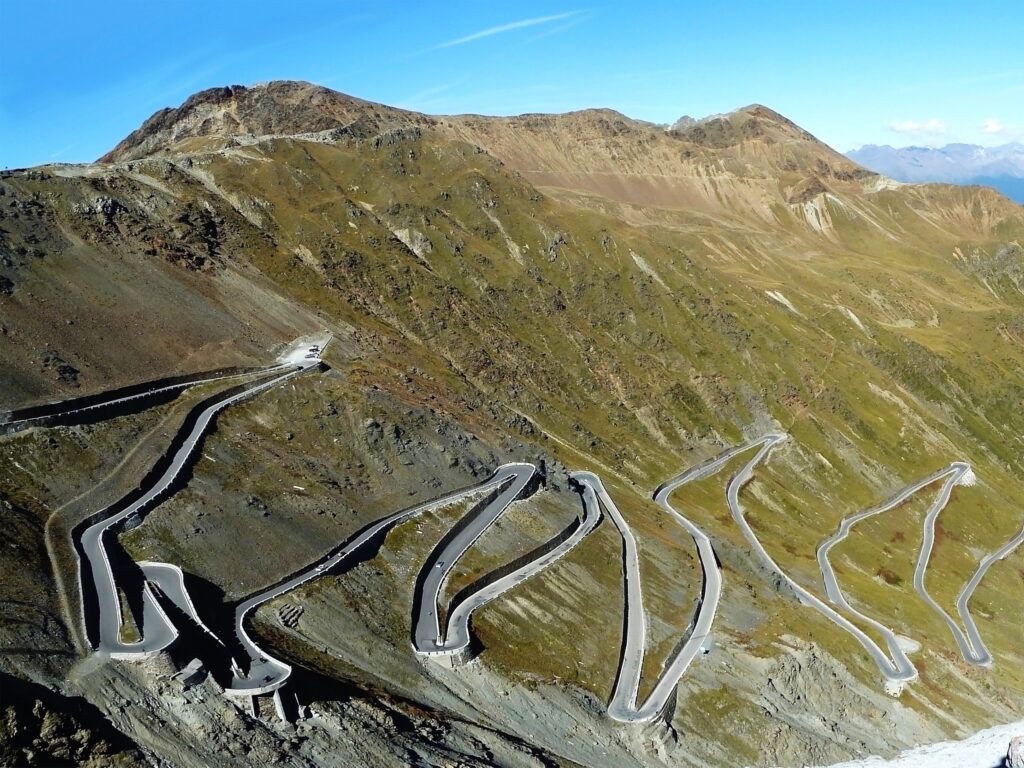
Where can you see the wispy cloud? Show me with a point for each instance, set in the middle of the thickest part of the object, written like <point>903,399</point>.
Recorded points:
<point>557,30</point>
<point>994,127</point>
<point>928,127</point>
<point>427,96</point>
<point>62,150</point>
<point>507,28</point>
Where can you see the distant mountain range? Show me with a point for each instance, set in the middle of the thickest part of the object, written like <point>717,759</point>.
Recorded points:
<point>999,167</point>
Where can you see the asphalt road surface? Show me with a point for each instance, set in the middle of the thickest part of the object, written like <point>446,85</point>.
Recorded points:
<point>72,410</point>
<point>623,705</point>
<point>427,635</point>
<point>974,637</point>
<point>971,646</point>
<point>891,671</point>
<point>461,611</point>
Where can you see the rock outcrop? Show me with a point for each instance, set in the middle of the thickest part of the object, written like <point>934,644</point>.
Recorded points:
<point>1015,753</point>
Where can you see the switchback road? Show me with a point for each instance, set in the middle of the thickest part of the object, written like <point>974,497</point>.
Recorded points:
<point>157,632</point>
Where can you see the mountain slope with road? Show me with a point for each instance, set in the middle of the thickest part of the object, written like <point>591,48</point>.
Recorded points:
<point>579,293</point>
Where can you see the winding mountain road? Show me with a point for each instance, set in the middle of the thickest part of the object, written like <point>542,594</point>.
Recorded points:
<point>266,673</point>
<point>969,641</point>
<point>428,638</point>
<point>971,646</point>
<point>261,673</point>
<point>973,636</point>
<point>890,670</point>
<point>157,630</point>
<point>623,705</point>
<point>61,413</point>
<point>899,660</point>
<point>466,601</point>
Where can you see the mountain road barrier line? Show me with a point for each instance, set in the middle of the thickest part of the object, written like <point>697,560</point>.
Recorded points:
<point>968,590</point>
<point>157,630</point>
<point>55,541</point>
<point>828,574</point>
<point>427,636</point>
<point>500,580</point>
<point>55,412</point>
<point>170,580</point>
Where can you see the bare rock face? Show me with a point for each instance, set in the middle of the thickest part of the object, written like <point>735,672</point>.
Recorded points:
<point>279,107</point>
<point>1015,754</point>
<point>40,727</point>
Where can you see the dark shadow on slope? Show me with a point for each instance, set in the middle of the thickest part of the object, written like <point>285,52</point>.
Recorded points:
<point>90,598</point>
<point>193,641</point>
<point>625,607</point>
<point>364,553</point>
<point>435,553</point>
<point>128,577</point>
<point>112,411</point>
<point>69,412</point>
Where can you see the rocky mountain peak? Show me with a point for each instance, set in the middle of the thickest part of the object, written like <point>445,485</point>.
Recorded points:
<point>278,107</point>
<point>683,123</point>
<point>752,122</point>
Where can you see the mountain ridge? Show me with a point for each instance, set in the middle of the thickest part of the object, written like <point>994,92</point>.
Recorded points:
<point>262,108</point>
<point>295,107</point>
<point>735,165</point>
<point>738,164</point>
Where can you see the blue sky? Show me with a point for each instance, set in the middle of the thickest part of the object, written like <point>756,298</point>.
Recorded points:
<point>77,76</point>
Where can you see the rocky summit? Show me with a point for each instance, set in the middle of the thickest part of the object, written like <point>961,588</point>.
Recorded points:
<point>338,434</point>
